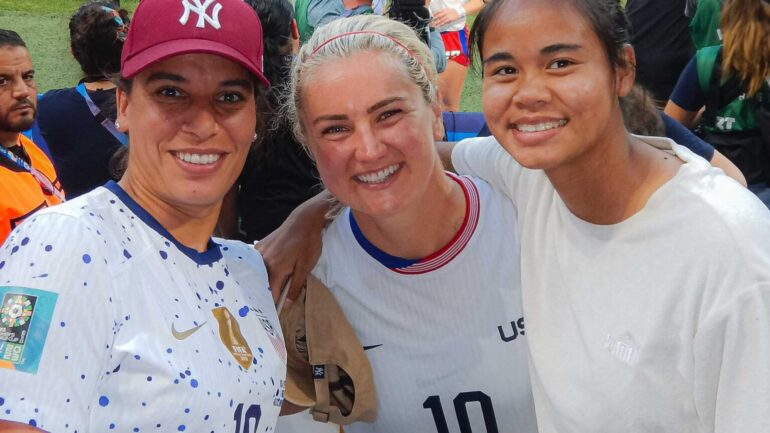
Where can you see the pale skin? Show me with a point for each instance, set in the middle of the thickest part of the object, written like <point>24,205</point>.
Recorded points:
<point>354,130</point>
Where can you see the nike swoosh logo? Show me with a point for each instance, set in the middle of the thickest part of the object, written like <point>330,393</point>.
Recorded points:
<point>372,347</point>
<point>184,334</point>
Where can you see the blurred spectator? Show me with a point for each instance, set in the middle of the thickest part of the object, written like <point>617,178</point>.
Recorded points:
<point>704,24</point>
<point>449,19</point>
<point>279,174</point>
<point>642,117</point>
<point>731,82</point>
<point>78,123</point>
<point>27,179</point>
<point>661,39</point>
<point>314,13</point>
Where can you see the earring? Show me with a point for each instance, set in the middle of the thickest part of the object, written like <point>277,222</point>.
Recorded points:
<point>117,124</point>
<point>255,137</point>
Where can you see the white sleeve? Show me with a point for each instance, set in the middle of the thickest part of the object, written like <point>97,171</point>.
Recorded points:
<point>484,157</point>
<point>732,364</point>
<point>57,323</point>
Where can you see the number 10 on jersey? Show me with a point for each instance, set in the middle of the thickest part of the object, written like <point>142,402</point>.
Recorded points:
<point>461,411</point>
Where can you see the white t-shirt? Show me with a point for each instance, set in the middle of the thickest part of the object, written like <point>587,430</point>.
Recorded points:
<point>437,5</point>
<point>660,323</point>
<point>109,324</point>
<point>445,335</point>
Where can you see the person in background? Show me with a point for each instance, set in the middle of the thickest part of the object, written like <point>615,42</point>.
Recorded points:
<point>661,39</point>
<point>642,117</point>
<point>279,174</point>
<point>28,181</point>
<point>78,123</point>
<point>118,311</point>
<point>311,14</point>
<point>731,82</point>
<point>704,22</point>
<point>449,18</point>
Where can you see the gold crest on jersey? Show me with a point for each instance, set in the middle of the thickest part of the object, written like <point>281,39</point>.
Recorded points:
<point>230,334</point>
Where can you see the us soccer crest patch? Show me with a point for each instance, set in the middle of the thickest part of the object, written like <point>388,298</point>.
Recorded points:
<point>25,317</point>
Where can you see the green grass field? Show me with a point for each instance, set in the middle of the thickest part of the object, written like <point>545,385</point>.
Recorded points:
<point>44,26</point>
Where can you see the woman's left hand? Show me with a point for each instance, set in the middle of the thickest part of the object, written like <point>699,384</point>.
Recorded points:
<point>444,17</point>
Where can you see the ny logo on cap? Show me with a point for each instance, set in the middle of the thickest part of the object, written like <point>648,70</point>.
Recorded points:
<point>318,371</point>
<point>200,7</point>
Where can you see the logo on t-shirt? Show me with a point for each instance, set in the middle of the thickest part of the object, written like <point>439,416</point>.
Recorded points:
<point>516,329</point>
<point>25,316</point>
<point>230,334</point>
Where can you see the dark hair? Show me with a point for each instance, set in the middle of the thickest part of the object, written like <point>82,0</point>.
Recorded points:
<point>640,115</point>
<point>606,18</point>
<point>9,38</point>
<point>96,39</point>
<point>276,17</point>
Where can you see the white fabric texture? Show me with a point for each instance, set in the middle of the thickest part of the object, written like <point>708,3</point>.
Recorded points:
<point>659,323</point>
<point>111,361</point>
<point>447,345</point>
<point>456,25</point>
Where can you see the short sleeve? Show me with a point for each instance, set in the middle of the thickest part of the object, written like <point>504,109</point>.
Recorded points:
<point>484,157</point>
<point>681,135</point>
<point>687,93</point>
<point>731,352</point>
<point>57,323</point>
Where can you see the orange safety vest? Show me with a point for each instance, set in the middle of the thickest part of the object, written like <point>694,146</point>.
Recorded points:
<point>20,193</point>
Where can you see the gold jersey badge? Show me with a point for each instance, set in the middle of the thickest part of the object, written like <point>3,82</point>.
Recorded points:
<point>230,334</point>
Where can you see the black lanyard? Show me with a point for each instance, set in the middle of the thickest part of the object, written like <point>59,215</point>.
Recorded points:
<point>106,122</point>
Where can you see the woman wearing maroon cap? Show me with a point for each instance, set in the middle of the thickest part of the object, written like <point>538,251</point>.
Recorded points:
<point>119,311</point>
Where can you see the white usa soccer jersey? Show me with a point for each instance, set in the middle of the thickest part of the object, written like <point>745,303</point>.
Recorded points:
<point>445,335</point>
<point>109,324</point>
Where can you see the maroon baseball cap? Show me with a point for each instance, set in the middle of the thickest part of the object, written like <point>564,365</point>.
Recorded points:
<point>165,28</point>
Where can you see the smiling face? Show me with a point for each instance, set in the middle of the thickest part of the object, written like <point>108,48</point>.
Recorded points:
<point>371,132</point>
<point>18,94</point>
<point>191,120</point>
<point>550,94</point>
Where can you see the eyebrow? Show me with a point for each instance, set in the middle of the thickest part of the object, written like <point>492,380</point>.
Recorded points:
<point>166,76</point>
<point>238,82</point>
<point>497,57</point>
<point>329,117</point>
<point>369,110</point>
<point>383,103</point>
<point>550,49</point>
<point>555,48</point>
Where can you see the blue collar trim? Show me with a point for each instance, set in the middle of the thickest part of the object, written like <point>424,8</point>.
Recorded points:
<point>386,259</point>
<point>212,253</point>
